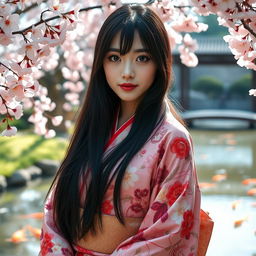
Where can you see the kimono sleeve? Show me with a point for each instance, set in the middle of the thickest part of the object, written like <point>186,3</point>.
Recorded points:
<point>171,224</point>
<point>51,241</point>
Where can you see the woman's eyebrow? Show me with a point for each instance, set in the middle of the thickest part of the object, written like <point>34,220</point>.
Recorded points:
<point>136,50</point>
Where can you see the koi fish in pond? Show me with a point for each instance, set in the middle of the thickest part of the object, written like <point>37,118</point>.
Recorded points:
<point>206,185</point>
<point>251,192</point>
<point>235,204</point>
<point>35,215</point>
<point>239,222</point>
<point>249,181</point>
<point>219,177</point>
<point>18,236</point>
<point>35,232</point>
<point>21,235</point>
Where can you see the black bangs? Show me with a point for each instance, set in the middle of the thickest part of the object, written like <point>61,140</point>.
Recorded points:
<point>126,37</point>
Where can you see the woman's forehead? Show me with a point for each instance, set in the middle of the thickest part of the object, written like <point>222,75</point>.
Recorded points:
<point>137,42</point>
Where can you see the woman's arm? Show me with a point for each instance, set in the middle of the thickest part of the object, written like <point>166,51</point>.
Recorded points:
<point>52,243</point>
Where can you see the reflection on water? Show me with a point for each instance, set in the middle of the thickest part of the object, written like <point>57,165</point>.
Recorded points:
<point>231,153</point>
<point>227,240</point>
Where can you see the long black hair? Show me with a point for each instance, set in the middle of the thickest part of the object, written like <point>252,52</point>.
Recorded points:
<point>84,157</point>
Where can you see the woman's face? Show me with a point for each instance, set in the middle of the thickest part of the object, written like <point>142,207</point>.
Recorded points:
<point>129,75</point>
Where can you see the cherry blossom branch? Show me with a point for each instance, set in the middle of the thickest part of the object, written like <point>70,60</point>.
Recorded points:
<point>182,6</point>
<point>5,87</point>
<point>9,69</point>
<point>63,14</point>
<point>250,7</point>
<point>246,26</point>
<point>53,18</point>
<point>7,116</point>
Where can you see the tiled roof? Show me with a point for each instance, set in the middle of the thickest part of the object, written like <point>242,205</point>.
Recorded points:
<point>210,45</point>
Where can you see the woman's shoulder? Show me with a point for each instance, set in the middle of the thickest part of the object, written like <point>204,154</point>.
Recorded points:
<point>173,127</point>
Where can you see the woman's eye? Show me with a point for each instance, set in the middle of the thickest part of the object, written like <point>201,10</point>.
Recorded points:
<point>113,58</point>
<point>143,58</point>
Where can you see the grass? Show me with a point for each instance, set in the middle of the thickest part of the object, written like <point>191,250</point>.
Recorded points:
<point>23,150</point>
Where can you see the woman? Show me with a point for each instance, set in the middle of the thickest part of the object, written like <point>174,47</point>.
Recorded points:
<point>127,185</point>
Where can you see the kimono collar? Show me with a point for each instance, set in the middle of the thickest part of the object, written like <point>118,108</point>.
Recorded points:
<point>117,132</point>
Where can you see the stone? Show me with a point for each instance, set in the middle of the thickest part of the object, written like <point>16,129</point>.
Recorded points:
<point>34,171</point>
<point>19,178</point>
<point>49,167</point>
<point>3,183</point>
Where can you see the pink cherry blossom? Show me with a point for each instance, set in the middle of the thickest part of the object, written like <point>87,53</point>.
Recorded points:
<point>56,7</point>
<point>74,87</point>
<point>174,36</point>
<point>226,22</point>
<point>189,24</point>
<point>29,49</point>
<point>67,107</point>
<point>40,126</point>
<point>10,23</point>
<point>20,70</point>
<point>36,33</point>
<point>50,134</point>
<point>70,75</point>
<point>252,92</point>
<point>88,57</point>
<point>86,74</point>
<point>56,120</point>
<point>35,117</point>
<point>68,123</point>
<point>226,4</point>
<point>51,62</point>
<point>9,131</point>
<point>190,43</point>
<point>27,103</point>
<point>17,112</point>
<point>238,31</point>
<point>187,58</point>
<point>3,109</point>
<point>238,46</point>
<point>72,97</point>
<point>4,38</point>
<point>5,10</point>
<point>17,91</point>
<point>73,16</point>
<point>4,93</point>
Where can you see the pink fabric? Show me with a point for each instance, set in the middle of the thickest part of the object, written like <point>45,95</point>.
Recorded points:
<point>160,185</point>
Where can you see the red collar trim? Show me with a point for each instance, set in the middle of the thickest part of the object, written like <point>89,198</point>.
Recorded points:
<point>115,133</point>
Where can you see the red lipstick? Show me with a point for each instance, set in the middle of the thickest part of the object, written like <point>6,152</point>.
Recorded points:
<point>128,86</point>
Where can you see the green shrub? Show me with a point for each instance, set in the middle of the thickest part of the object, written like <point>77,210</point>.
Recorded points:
<point>208,85</point>
<point>241,87</point>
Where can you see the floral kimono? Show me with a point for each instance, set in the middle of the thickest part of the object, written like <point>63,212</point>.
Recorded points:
<point>160,185</point>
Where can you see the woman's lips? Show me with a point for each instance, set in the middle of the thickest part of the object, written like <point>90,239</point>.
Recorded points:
<point>128,86</point>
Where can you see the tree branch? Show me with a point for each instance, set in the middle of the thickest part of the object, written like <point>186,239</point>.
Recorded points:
<point>9,69</point>
<point>57,17</point>
<point>53,18</point>
<point>250,7</point>
<point>246,26</point>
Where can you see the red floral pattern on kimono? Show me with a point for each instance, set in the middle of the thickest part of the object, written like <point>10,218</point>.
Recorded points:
<point>160,185</point>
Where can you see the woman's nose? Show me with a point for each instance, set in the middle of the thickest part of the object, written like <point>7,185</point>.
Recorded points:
<point>128,71</point>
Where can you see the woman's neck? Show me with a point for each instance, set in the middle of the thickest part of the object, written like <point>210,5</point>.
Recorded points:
<point>127,110</point>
